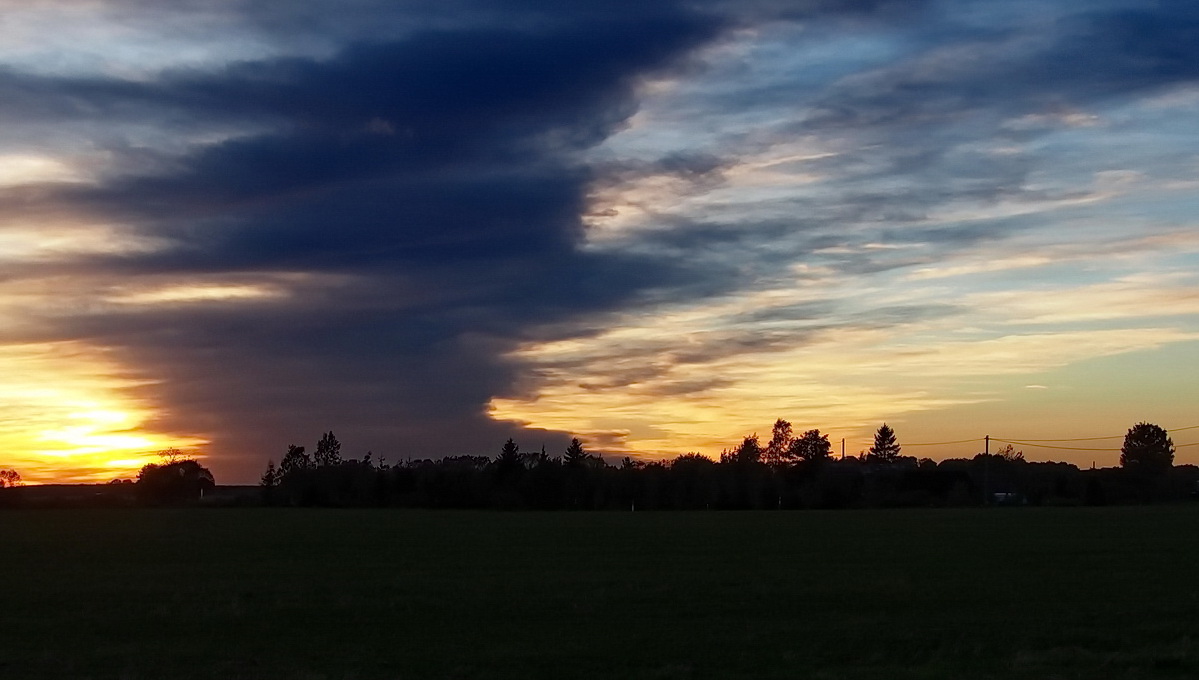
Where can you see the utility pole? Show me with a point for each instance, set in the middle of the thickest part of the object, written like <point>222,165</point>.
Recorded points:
<point>987,470</point>
<point>843,448</point>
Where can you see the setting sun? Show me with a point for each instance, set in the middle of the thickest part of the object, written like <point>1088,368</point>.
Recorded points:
<point>66,417</point>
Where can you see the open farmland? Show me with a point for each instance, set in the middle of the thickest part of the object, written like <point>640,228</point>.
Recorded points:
<point>1014,593</point>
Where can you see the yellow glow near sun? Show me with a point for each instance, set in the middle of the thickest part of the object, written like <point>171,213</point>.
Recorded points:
<point>66,417</point>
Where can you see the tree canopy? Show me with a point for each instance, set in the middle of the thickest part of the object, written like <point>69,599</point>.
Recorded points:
<point>9,478</point>
<point>748,453</point>
<point>1147,448</point>
<point>328,451</point>
<point>778,450</point>
<point>294,461</point>
<point>178,482</point>
<point>811,447</point>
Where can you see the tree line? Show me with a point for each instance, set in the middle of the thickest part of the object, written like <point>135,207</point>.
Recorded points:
<point>788,471</point>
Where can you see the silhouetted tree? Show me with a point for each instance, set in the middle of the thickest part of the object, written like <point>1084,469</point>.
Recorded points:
<point>1148,449</point>
<point>749,452</point>
<point>178,482</point>
<point>811,447</point>
<point>1010,454</point>
<point>780,443</point>
<point>885,448</point>
<point>328,451</point>
<point>509,460</point>
<point>575,455</point>
<point>510,452</point>
<point>271,476</point>
<point>9,478</point>
<point>693,482</point>
<point>536,459</point>
<point>170,455</point>
<point>294,478</point>
<point>294,461</point>
<point>581,482</point>
<point>269,482</point>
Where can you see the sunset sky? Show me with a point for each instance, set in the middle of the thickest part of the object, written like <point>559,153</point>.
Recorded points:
<point>231,225</point>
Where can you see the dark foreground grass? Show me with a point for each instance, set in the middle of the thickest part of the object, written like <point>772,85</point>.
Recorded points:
<point>259,593</point>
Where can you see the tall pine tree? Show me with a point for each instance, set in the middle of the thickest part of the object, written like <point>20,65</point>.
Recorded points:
<point>510,459</point>
<point>575,454</point>
<point>886,447</point>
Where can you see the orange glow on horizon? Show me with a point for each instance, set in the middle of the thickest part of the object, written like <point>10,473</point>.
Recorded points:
<point>65,417</point>
<point>672,381</point>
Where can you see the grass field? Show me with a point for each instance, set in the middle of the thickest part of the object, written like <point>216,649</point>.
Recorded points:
<point>260,593</point>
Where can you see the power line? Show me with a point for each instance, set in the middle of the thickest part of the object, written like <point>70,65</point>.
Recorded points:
<point>1077,439</point>
<point>1095,439</point>
<point>1049,446</point>
<point>1036,442</point>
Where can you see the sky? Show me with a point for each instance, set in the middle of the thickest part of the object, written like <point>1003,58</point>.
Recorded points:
<point>228,226</point>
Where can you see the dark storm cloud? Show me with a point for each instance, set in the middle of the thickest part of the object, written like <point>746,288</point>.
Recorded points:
<point>389,150</point>
<point>437,177</point>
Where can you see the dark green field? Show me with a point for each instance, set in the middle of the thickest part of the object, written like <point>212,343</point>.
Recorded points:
<point>258,593</point>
